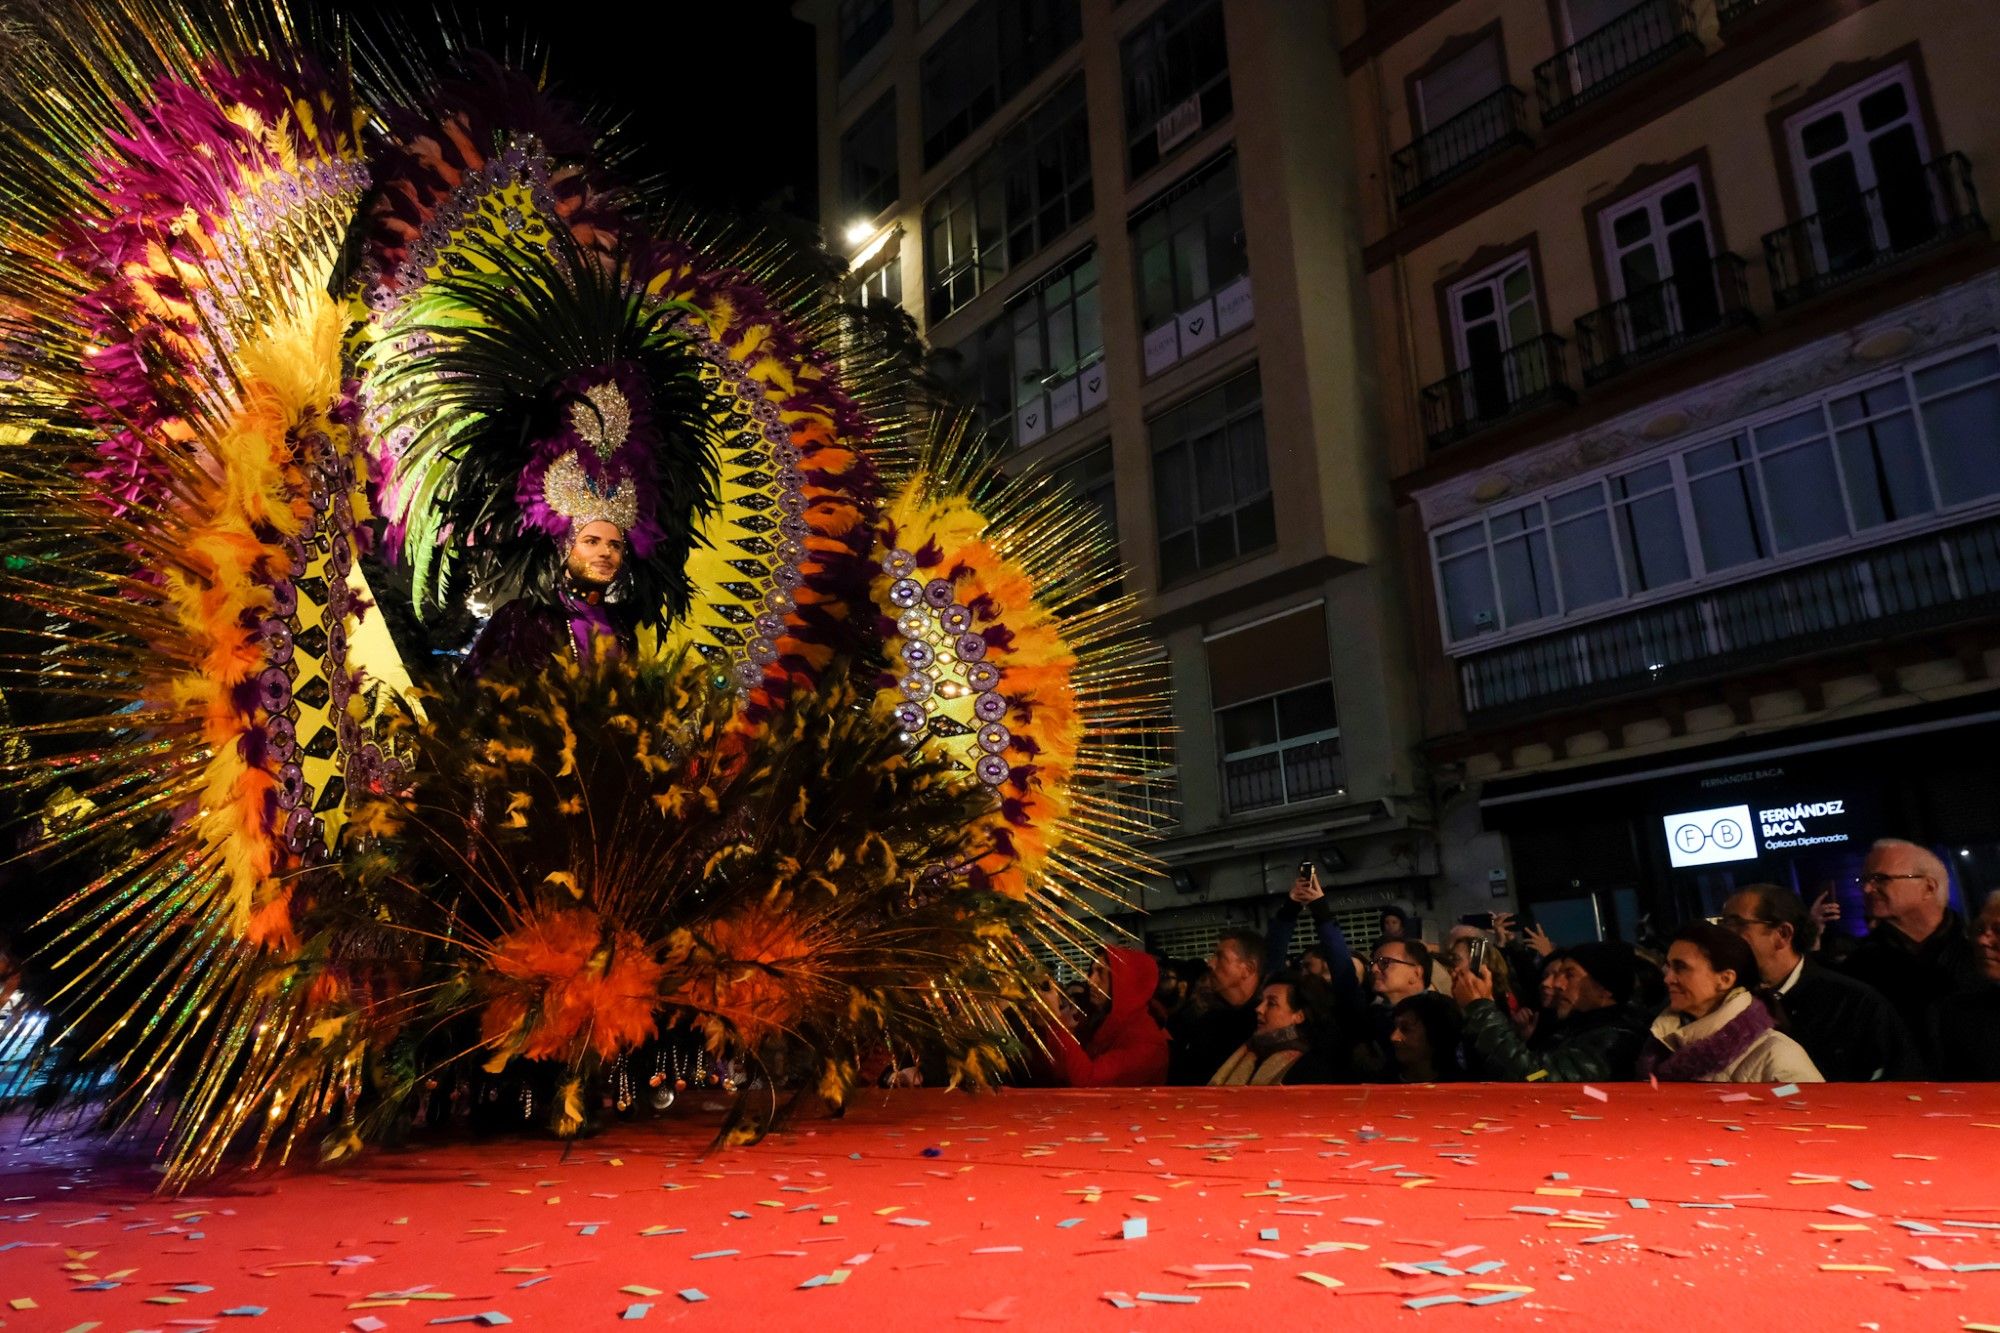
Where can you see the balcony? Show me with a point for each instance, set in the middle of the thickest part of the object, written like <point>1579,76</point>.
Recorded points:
<point>1276,775</point>
<point>1707,300</point>
<point>1731,11</point>
<point>1477,134</point>
<point>1646,35</point>
<point>1881,227</point>
<point>1494,388</point>
<point>1912,586</point>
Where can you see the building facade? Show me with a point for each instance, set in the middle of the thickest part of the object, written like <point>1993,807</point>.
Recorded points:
<point>1687,322</point>
<point>1106,222</point>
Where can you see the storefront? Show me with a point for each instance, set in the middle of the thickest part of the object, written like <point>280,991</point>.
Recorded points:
<point>1636,846</point>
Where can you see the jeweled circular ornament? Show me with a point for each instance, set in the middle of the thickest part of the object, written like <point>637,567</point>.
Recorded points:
<point>906,592</point>
<point>994,737</point>
<point>909,717</point>
<point>763,651</point>
<point>918,654</point>
<point>917,686</point>
<point>971,647</point>
<point>982,675</point>
<point>779,600</point>
<point>956,619</point>
<point>938,593</point>
<point>992,770</point>
<point>913,624</point>
<point>770,624</point>
<point>900,563</point>
<point>990,707</point>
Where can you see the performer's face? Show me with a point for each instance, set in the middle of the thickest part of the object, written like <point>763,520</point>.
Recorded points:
<point>597,554</point>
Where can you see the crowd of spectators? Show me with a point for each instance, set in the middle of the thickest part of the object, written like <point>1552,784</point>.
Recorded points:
<point>1761,993</point>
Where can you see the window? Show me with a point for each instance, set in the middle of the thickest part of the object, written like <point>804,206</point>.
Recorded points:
<point>1659,255</point>
<point>1459,84</point>
<point>1864,147</point>
<point>880,285</point>
<point>1857,462</point>
<point>1194,268</point>
<point>1029,189</point>
<point>987,58</point>
<point>1275,723</point>
<point>1176,80</point>
<point>1039,365</point>
<point>1211,480</point>
<point>1496,324</point>
<point>1089,478</point>
<point>868,161</point>
<point>862,24</point>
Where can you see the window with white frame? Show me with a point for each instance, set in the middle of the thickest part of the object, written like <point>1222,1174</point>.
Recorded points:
<point>1212,480</point>
<point>1277,731</point>
<point>881,284</point>
<point>984,60</point>
<point>1867,137</point>
<point>1659,253</point>
<point>1176,66</point>
<point>1038,365</point>
<point>868,182</point>
<point>1867,461</point>
<point>1193,265</point>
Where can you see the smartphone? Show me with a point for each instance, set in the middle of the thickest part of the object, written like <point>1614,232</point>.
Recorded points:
<point>1306,871</point>
<point>1483,920</point>
<point>1476,955</point>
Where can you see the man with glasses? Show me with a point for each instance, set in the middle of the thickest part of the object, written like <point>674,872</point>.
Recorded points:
<point>1400,968</point>
<point>1849,1030</point>
<point>1211,1034</point>
<point>1917,954</point>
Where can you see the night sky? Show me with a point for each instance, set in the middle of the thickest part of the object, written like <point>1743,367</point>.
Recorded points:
<point>746,65</point>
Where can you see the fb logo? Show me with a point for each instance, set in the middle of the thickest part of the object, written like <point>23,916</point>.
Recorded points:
<point>1706,837</point>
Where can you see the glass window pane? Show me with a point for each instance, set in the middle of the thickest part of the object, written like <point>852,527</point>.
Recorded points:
<point>1584,558</point>
<point>1571,503</point>
<point>1804,493</point>
<point>1885,471</point>
<point>1527,582</point>
<point>1459,540</point>
<point>1729,519</point>
<point>1649,540</point>
<point>1256,526</point>
<point>1468,595</point>
<point>1248,726</point>
<point>1211,473</point>
<point>1303,711</point>
<point>1964,433</point>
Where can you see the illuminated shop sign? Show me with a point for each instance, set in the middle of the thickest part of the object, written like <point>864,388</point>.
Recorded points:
<point>1742,832</point>
<point>1709,837</point>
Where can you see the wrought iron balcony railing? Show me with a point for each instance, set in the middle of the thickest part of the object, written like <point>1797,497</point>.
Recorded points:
<point>1699,302</point>
<point>1297,770</point>
<point>1482,131</point>
<point>1903,588</point>
<point>1924,207</point>
<point>1494,388</point>
<point>1645,35</point>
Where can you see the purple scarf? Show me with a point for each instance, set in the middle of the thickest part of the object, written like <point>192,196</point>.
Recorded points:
<point>1711,1055</point>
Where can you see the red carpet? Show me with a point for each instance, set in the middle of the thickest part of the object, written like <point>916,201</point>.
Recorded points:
<point>926,1209</point>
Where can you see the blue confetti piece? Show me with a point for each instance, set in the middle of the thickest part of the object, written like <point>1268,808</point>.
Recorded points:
<point>1489,1266</point>
<point>1268,1233</point>
<point>1785,1090</point>
<point>492,1318</point>
<point>854,1157</point>
<point>933,1152</point>
<point>533,1281</point>
<point>1496,1297</point>
<point>636,1312</point>
<point>1603,1239</point>
<point>1135,1228</point>
<point>244,1311</point>
<point>587,1231</point>
<point>1069,1222</point>
<point>693,1294</point>
<point>1169,1298</point>
<point>1859,1185</point>
<point>816,1280</point>
<point>1637,1203</point>
<point>101,1286</point>
<point>1975,1268</point>
<point>454,1319</point>
<point>716,1254</point>
<point>738,1214</point>
<point>1426,1302</point>
<point>1558,1175</point>
<point>908,1222</point>
<point>193,1288</point>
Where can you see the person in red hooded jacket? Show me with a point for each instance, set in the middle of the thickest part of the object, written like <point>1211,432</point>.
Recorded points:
<point>1121,1044</point>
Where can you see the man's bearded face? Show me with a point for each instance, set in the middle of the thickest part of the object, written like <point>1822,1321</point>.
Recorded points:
<point>597,554</point>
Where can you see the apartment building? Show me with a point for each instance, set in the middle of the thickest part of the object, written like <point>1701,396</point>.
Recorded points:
<point>1127,231</point>
<point>1687,322</point>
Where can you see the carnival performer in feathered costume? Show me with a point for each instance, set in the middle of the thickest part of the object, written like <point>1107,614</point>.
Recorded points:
<point>798,732</point>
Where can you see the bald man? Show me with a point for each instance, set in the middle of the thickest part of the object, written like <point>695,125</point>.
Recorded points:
<point>1918,953</point>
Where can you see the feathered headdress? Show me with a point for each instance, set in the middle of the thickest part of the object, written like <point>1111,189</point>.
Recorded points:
<point>551,395</point>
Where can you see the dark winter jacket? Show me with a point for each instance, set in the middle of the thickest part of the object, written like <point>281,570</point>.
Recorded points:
<point>1207,1037</point>
<point>1851,1032</point>
<point>1128,1047</point>
<point>1968,1035</point>
<point>1917,978</point>
<point>1593,1045</point>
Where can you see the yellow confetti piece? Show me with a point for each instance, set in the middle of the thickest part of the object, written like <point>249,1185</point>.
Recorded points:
<point>1497,1286</point>
<point>896,1208</point>
<point>1560,1191</point>
<point>837,1276</point>
<point>1854,1268</point>
<point>1323,1280</point>
<point>769,1203</point>
<point>1218,1286</point>
<point>23,1303</point>
<point>120,1275</point>
<point>524,1270</point>
<point>829,1219</point>
<point>1413,1184</point>
<point>1145,1198</point>
<point>87,1325</point>
<point>616,1161</point>
<point>166,1300</point>
<point>553,1198</point>
<point>1838,1226</point>
<point>375,1305</point>
<point>634,1289</point>
<point>1962,1328</point>
<point>1583,1226</point>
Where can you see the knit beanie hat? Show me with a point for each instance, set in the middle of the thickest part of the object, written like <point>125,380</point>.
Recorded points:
<point>1609,963</point>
